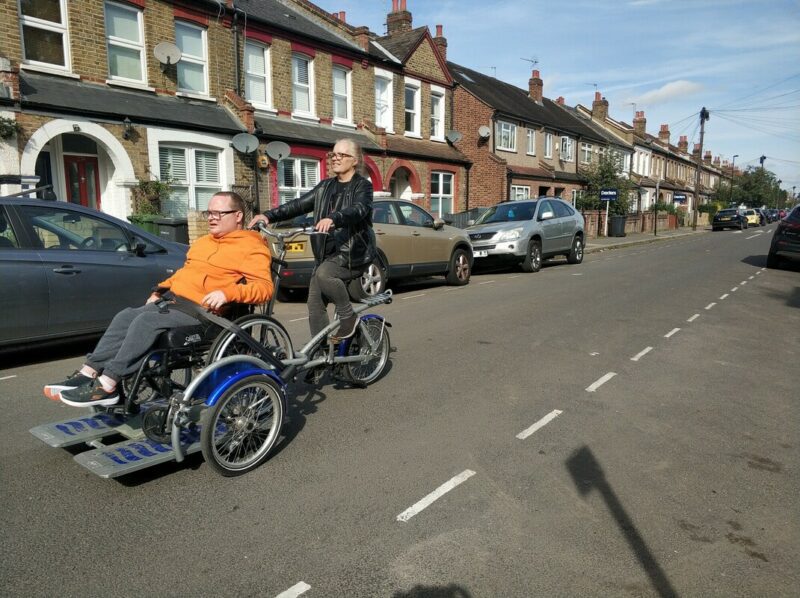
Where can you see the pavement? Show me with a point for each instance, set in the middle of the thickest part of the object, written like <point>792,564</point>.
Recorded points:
<point>603,243</point>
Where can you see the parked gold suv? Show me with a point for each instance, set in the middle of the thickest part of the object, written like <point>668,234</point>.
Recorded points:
<point>411,243</point>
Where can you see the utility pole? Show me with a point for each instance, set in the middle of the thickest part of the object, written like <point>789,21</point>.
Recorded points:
<point>703,119</point>
<point>733,174</point>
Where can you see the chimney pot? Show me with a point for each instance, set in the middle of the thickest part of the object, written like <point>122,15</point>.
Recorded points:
<point>394,5</point>
<point>597,96</point>
<point>402,4</point>
<point>438,31</point>
<point>535,74</point>
<point>342,16</point>
<point>560,100</point>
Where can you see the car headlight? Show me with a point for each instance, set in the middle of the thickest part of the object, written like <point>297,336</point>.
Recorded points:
<point>510,235</point>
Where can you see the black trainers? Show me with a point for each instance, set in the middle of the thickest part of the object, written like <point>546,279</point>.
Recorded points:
<point>347,328</point>
<point>90,395</point>
<point>73,381</point>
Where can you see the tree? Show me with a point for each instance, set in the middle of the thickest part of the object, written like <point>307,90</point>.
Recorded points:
<point>756,187</point>
<point>606,173</point>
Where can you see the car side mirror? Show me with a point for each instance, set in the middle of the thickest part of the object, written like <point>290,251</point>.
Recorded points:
<point>546,215</point>
<point>438,223</point>
<point>138,250</point>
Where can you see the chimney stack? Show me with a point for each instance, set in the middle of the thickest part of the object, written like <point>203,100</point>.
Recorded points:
<point>599,108</point>
<point>399,19</point>
<point>696,151</point>
<point>707,157</point>
<point>560,100</point>
<point>342,16</point>
<point>683,144</point>
<point>640,124</point>
<point>362,37</point>
<point>441,42</point>
<point>717,161</point>
<point>535,87</point>
<point>663,135</point>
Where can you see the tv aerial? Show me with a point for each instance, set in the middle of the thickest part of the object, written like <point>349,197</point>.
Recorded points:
<point>533,61</point>
<point>245,143</point>
<point>167,54</point>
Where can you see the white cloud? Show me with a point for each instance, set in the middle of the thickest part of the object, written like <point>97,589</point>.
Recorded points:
<point>671,91</point>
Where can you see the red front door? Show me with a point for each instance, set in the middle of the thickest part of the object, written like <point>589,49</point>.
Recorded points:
<point>83,180</point>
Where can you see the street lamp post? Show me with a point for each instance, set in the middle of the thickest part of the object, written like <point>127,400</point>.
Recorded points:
<point>733,174</point>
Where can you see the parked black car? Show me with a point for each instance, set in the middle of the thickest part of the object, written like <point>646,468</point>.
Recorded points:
<point>785,240</point>
<point>729,218</point>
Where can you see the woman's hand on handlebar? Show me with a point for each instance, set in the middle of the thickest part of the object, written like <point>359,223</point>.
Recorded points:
<point>324,225</point>
<point>256,219</point>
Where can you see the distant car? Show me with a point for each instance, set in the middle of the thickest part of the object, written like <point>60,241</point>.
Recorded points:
<point>67,270</point>
<point>785,240</point>
<point>527,231</point>
<point>753,217</point>
<point>411,243</point>
<point>772,215</point>
<point>729,218</point>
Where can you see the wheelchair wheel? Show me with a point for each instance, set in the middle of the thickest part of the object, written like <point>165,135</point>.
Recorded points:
<point>240,430</point>
<point>265,330</point>
<point>150,386</point>
<point>371,369</point>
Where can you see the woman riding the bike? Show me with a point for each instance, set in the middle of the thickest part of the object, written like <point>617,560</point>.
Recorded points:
<point>342,207</point>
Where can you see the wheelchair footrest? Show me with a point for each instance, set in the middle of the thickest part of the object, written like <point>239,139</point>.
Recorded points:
<point>132,455</point>
<point>77,430</point>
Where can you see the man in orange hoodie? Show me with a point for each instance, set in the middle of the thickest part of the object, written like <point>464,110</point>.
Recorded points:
<point>229,264</point>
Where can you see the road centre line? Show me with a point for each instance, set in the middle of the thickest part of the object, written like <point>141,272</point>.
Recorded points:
<point>671,332</point>
<point>750,237</point>
<point>750,277</point>
<point>744,282</point>
<point>734,289</point>
<point>297,589</point>
<point>414,296</point>
<point>599,382</point>
<point>486,282</point>
<point>710,305</point>
<point>8,377</point>
<point>693,318</point>
<point>419,506</point>
<point>540,424</point>
<point>641,354</point>
<point>299,319</point>
<point>725,296</point>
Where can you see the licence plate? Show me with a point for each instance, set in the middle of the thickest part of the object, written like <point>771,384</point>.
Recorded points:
<point>295,247</point>
<point>725,219</point>
<point>480,253</point>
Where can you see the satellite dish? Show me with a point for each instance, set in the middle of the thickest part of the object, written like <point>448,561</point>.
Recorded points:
<point>167,54</point>
<point>277,150</point>
<point>245,143</point>
<point>453,136</point>
<point>484,132</point>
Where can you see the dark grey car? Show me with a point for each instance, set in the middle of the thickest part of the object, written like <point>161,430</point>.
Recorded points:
<point>527,231</point>
<point>66,270</point>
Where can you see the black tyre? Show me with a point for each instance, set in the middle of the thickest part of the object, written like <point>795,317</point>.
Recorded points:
<point>459,270</point>
<point>240,430</point>
<point>575,255</point>
<point>773,261</point>
<point>532,262</point>
<point>267,331</point>
<point>715,229</point>
<point>375,359</point>
<point>374,279</point>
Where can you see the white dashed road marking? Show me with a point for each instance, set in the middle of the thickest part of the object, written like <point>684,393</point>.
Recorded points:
<point>8,377</point>
<point>744,282</point>
<point>750,277</point>
<point>598,383</point>
<point>486,282</point>
<point>725,296</point>
<point>671,332</point>
<point>751,237</point>
<point>734,289</point>
<point>435,495</point>
<point>693,318</point>
<point>296,590</point>
<point>641,354</point>
<point>299,319</point>
<point>540,424</point>
<point>710,305</point>
<point>414,296</point>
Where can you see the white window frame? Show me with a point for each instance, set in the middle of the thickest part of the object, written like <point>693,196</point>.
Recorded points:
<point>191,184</point>
<point>312,110</point>
<point>442,197</point>
<point>264,78</point>
<point>198,60</point>
<point>416,85</point>
<point>348,97</point>
<point>548,145</point>
<point>520,192</point>
<point>567,151</point>
<point>505,130</point>
<point>531,142</point>
<point>297,189</point>
<point>127,44</point>
<point>586,153</point>
<point>388,119</point>
<point>437,118</point>
<point>61,28</point>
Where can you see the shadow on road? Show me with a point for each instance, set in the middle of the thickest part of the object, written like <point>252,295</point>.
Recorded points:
<point>451,591</point>
<point>15,357</point>
<point>756,260</point>
<point>588,475</point>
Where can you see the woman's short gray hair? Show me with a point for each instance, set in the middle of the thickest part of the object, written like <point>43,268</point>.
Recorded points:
<point>358,154</point>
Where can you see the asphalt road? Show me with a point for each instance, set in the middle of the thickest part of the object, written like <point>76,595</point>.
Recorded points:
<point>625,427</point>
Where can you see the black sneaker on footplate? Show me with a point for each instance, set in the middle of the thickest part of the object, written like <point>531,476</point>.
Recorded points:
<point>89,396</point>
<point>73,381</point>
<point>347,328</point>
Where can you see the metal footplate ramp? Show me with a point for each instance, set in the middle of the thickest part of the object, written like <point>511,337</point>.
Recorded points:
<point>79,430</point>
<point>385,297</point>
<point>128,456</point>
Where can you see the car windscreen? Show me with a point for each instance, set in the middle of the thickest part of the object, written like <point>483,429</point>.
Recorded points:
<point>508,212</point>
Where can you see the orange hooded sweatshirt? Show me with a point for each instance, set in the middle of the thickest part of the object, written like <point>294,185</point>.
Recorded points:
<point>220,263</point>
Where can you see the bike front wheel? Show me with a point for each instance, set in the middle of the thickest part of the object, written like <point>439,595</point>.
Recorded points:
<point>268,332</point>
<point>375,360</point>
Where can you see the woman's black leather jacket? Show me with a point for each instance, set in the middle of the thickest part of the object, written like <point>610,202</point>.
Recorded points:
<point>352,219</point>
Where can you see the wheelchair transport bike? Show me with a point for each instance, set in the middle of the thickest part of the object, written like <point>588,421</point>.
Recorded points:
<point>220,387</point>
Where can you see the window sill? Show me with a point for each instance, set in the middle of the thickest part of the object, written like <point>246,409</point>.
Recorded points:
<point>265,110</point>
<point>48,70</point>
<point>438,139</point>
<point>195,96</point>
<point>344,124</point>
<point>413,135</point>
<point>530,154</point>
<point>506,149</point>
<point>309,118</point>
<point>127,85</point>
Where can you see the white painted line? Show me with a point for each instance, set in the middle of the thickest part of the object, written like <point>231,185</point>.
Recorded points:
<point>750,277</point>
<point>299,319</point>
<point>693,318</point>
<point>710,305</point>
<point>744,282</point>
<point>414,296</point>
<point>515,276</point>
<point>486,282</point>
<point>8,377</point>
<point>671,332</point>
<point>598,383</point>
<point>641,354</point>
<point>751,237</point>
<point>759,272</point>
<point>435,495</point>
<point>577,273</point>
<point>594,353</point>
<point>734,289</point>
<point>722,297</point>
<point>540,424</point>
<point>297,589</point>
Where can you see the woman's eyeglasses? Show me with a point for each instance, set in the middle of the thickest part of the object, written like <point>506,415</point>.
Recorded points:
<point>338,155</point>
<point>217,214</point>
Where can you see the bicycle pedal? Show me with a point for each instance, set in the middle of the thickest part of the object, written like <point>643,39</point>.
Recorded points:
<point>314,375</point>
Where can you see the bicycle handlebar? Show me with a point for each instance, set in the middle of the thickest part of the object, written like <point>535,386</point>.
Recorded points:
<point>303,230</point>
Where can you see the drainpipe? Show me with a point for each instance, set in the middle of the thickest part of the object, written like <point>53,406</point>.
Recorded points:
<point>235,28</point>
<point>466,200</point>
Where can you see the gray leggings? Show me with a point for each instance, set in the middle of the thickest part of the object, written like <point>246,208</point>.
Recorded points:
<point>328,283</point>
<point>130,336</point>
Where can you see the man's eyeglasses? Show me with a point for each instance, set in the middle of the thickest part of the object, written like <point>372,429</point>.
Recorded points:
<point>338,155</point>
<point>217,214</point>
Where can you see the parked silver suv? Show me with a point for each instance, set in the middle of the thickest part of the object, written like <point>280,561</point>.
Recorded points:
<point>527,231</point>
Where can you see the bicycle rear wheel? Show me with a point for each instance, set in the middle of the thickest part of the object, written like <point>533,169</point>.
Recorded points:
<point>267,331</point>
<point>375,361</point>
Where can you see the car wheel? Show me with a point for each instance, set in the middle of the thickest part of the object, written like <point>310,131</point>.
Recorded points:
<point>459,271</point>
<point>374,279</point>
<point>533,257</point>
<point>714,229</point>
<point>575,255</point>
<point>773,261</point>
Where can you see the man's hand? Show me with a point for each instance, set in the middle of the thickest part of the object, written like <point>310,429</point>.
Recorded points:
<point>214,300</point>
<point>153,298</point>
<point>259,218</point>
<point>324,225</point>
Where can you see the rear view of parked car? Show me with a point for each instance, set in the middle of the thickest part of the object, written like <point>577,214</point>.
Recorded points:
<point>527,231</point>
<point>753,217</point>
<point>729,218</point>
<point>785,240</point>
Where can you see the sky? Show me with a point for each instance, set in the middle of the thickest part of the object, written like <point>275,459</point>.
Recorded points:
<point>738,58</point>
